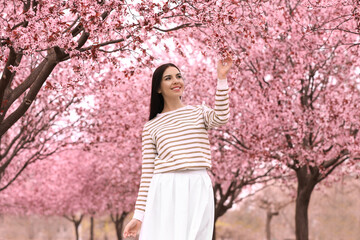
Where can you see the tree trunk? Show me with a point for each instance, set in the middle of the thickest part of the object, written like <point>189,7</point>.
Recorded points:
<point>307,179</point>
<point>118,220</point>
<point>119,226</point>
<point>220,206</point>
<point>76,224</point>
<point>267,228</point>
<point>91,228</point>
<point>216,212</point>
<point>269,216</point>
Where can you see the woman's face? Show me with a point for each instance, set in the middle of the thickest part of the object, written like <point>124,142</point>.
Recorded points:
<point>172,84</point>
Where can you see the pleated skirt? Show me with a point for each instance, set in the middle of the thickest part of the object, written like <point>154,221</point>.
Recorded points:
<point>180,206</point>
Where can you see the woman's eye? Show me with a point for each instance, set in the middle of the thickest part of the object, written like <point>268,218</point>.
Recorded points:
<point>179,76</point>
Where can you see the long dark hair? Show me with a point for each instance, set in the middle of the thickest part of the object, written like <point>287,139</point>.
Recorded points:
<point>157,100</point>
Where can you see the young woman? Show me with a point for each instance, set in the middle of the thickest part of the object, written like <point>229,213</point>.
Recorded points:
<point>176,199</point>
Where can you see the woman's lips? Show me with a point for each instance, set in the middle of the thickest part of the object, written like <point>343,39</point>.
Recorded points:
<point>176,89</point>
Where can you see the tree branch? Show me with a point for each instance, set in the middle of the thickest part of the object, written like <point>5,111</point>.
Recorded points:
<point>332,169</point>
<point>185,25</point>
<point>51,62</point>
<point>104,43</point>
<point>19,90</point>
<point>6,79</point>
<point>333,161</point>
<point>11,144</point>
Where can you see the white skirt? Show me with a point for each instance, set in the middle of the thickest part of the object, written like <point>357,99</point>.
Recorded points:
<point>180,206</point>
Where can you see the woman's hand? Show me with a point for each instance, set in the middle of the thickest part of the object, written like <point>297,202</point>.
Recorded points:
<point>132,228</point>
<point>224,66</point>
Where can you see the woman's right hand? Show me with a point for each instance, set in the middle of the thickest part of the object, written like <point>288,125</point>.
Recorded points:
<point>132,228</point>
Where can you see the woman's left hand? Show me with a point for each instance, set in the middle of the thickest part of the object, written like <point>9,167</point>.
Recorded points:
<point>224,66</point>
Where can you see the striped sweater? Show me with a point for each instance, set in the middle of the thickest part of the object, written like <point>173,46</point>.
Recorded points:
<point>178,139</point>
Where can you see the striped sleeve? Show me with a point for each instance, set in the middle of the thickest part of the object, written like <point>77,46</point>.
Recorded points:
<point>147,170</point>
<point>221,113</point>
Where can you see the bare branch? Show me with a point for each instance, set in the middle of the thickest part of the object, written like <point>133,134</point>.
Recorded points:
<point>82,40</point>
<point>16,176</point>
<point>11,144</point>
<point>333,161</point>
<point>185,25</point>
<point>72,25</point>
<point>332,169</point>
<point>104,44</point>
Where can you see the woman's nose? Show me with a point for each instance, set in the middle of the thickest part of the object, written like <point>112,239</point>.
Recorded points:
<point>176,80</point>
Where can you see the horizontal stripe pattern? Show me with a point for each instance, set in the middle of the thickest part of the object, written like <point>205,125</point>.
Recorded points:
<point>178,140</point>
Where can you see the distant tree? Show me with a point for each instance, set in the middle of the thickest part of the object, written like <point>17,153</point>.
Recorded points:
<point>76,221</point>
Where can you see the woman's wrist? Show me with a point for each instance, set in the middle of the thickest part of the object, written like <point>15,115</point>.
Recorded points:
<point>221,76</point>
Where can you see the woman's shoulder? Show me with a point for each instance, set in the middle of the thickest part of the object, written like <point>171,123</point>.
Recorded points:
<point>196,107</point>
<point>151,122</point>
